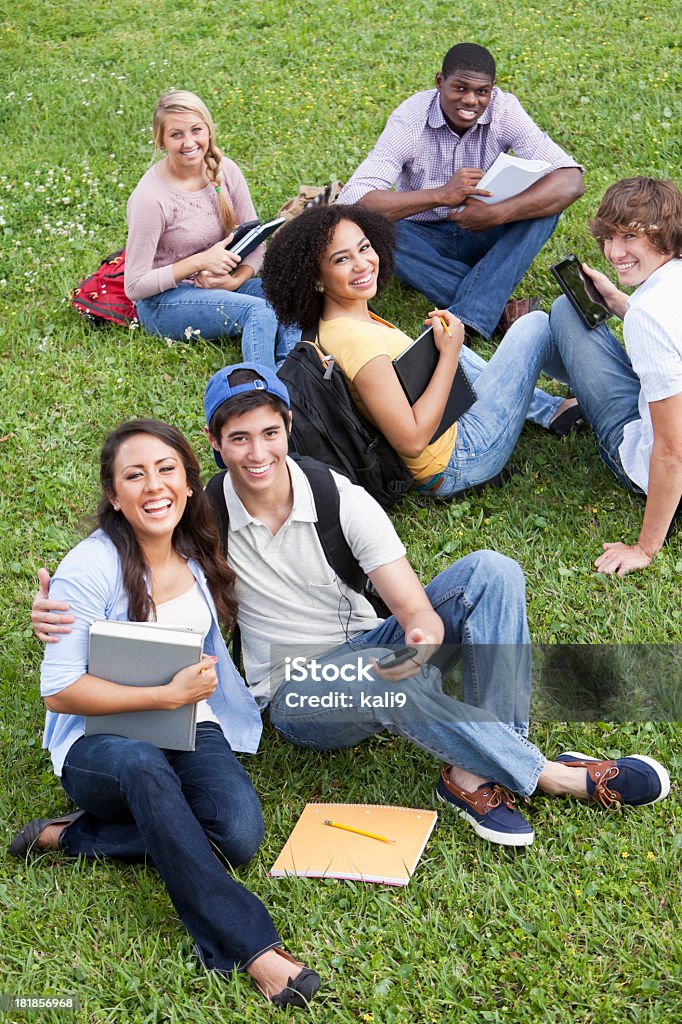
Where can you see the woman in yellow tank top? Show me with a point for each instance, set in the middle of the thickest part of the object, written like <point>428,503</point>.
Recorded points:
<point>321,271</point>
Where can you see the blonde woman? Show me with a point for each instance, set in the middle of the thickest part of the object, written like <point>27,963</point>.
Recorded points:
<point>181,216</point>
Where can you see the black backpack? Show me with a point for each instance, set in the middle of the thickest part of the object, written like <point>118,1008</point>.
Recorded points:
<point>328,427</point>
<point>328,526</point>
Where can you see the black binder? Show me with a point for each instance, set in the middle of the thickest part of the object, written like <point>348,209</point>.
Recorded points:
<point>415,367</point>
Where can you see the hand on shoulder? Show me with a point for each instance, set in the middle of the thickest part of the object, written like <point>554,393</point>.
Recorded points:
<point>47,617</point>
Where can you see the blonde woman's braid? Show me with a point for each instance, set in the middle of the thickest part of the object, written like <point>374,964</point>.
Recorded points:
<point>212,159</point>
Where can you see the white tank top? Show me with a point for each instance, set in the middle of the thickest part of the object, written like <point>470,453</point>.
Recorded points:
<point>190,611</point>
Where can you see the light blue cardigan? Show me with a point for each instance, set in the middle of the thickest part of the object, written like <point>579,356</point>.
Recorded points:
<point>90,580</point>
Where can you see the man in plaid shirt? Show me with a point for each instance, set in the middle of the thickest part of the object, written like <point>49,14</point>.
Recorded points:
<point>462,254</point>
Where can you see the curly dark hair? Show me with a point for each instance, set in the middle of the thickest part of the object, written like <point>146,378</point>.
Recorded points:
<point>292,260</point>
<point>196,535</point>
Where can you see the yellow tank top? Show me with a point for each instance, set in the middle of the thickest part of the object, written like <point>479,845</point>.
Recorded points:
<point>353,343</point>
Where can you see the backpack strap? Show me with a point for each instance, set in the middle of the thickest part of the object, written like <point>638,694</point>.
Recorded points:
<point>332,538</point>
<point>312,338</point>
<point>327,505</point>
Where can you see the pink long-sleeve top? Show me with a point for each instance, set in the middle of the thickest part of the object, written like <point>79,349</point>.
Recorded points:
<point>167,224</point>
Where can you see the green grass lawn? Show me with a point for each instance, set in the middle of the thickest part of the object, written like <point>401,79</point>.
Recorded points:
<point>585,925</point>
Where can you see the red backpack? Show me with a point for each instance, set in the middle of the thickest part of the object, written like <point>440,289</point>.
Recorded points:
<point>101,298</point>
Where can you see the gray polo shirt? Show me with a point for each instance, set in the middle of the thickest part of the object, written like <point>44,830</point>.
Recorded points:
<point>288,593</point>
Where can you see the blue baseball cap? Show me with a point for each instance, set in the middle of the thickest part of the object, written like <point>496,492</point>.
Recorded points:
<point>219,390</point>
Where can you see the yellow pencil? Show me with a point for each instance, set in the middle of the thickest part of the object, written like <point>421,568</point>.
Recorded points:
<point>445,325</point>
<point>358,831</point>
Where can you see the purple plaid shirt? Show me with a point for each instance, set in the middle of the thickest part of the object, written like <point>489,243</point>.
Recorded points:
<point>417,149</point>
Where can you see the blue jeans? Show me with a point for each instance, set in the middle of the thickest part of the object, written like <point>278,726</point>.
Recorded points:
<point>482,603</point>
<point>472,273</point>
<point>601,375</point>
<point>218,313</point>
<point>505,397</point>
<point>174,808</point>
<point>542,408</point>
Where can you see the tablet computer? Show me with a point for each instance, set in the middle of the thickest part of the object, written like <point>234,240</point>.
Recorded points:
<point>581,292</point>
<point>245,242</point>
<point>241,230</point>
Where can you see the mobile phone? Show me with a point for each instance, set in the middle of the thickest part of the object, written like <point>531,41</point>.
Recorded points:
<point>396,657</point>
<point>581,292</point>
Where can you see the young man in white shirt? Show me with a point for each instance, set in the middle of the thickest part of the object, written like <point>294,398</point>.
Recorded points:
<point>632,397</point>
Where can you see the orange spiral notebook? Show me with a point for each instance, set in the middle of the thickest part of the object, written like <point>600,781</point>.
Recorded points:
<point>388,855</point>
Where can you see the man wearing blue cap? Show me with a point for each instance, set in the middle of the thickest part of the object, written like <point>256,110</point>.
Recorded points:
<point>310,640</point>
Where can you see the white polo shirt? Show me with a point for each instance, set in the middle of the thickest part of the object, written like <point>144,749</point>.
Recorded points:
<point>288,594</point>
<point>652,330</point>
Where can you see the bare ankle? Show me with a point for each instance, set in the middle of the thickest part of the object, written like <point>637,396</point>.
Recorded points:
<point>560,780</point>
<point>465,780</point>
<point>49,837</point>
<point>271,971</point>
<point>567,403</point>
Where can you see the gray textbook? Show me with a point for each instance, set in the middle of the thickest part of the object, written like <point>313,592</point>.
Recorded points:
<point>144,654</point>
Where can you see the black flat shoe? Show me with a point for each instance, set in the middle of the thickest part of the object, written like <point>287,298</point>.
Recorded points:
<point>298,991</point>
<point>25,841</point>
<point>571,419</point>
